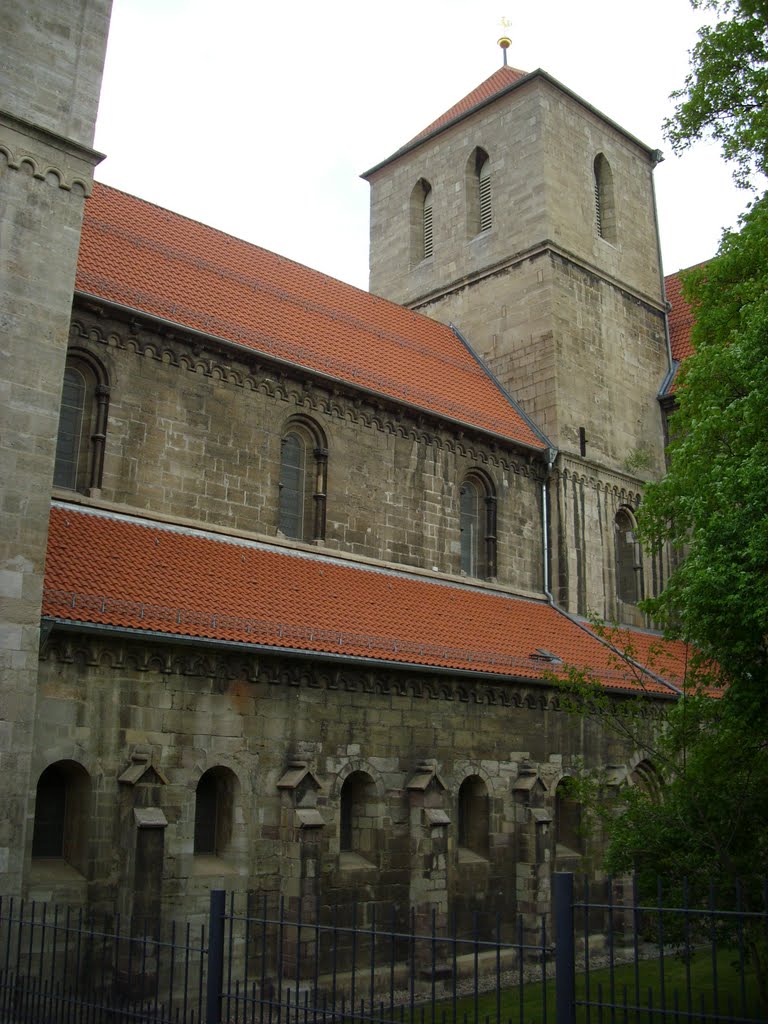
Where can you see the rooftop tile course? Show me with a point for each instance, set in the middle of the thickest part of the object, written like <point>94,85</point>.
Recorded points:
<point>160,263</point>
<point>116,571</point>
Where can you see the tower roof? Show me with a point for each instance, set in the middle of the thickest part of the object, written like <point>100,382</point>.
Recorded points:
<point>492,86</point>
<point>502,81</point>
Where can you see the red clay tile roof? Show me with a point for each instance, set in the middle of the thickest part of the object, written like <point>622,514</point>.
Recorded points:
<point>116,571</point>
<point>681,322</point>
<point>498,82</point>
<point>157,262</point>
<point>680,319</point>
<point>666,658</point>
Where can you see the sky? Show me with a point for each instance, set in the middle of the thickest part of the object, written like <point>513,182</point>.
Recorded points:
<point>258,118</point>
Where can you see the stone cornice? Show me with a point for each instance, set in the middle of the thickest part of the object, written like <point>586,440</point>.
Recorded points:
<point>546,248</point>
<point>308,393</point>
<point>137,654</point>
<point>46,155</point>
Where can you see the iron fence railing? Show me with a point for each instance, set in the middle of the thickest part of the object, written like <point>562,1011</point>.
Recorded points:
<point>672,959</point>
<point>611,958</point>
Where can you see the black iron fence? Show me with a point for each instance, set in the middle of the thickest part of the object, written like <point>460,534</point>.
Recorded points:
<point>612,958</point>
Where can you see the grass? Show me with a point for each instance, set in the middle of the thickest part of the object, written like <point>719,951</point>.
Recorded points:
<point>732,1002</point>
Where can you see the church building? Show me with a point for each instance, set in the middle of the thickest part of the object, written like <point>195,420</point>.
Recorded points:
<point>291,570</point>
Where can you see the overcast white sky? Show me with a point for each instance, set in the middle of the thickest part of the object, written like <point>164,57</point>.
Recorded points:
<point>258,117</point>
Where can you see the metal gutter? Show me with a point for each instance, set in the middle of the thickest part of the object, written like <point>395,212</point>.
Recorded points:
<point>49,624</point>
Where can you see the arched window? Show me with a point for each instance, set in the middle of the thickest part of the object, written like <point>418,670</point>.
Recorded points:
<point>62,814</point>
<point>477,524</point>
<point>568,831</point>
<point>474,820</point>
<point>605,206</point>
<point>421,222</point>
<point>646,778</point>
<point>629,560</point>
<point>358,816</point>
<point>478,193</point>
<point>79,464</point>
<point>303,482</point>
<point>214,811</point>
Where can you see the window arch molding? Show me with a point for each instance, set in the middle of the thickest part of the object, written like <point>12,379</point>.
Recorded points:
<point>477,525</point>
<point>477,177</point>
<point>605,203</point>
<point>82,428</point>
<point>628,556</point>
<point>303,481</point>
<point>646,778</point>
<point>421,222</point>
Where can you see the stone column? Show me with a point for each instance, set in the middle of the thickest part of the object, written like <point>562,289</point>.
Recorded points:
<point>50,77</point>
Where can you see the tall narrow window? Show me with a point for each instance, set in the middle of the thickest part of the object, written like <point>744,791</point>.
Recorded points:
<point>422,238</point>
<point>605,206</point>
<point>82,428</point>
<point>478,193</point>
<point>357,816</point>
<point>477,524</point>
<point>214,809</point>
<point>629,559</point>
<point>568,818</point>
<point>302,488</point>
<point>61,814</point>
<point>474,821</point>
<point>70,429</point>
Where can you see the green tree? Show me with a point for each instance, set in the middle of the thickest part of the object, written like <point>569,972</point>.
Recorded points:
<point>726,89</point>
<point>708,819</point>
<point>713,503</point>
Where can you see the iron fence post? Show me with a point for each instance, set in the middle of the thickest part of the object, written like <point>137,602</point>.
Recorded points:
<point>565,956</point>
<point>215,974</point>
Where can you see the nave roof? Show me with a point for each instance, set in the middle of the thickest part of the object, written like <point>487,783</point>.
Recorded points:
<point>111,571</point>
<point>153,261</point>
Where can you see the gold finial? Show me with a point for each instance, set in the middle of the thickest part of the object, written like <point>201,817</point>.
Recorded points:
<point>505,42</point>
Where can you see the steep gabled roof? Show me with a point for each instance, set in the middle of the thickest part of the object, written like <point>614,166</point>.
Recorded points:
<point>105,570</point>
<point>156,262</point>
<point>497,83</point>
<point>504,80</point>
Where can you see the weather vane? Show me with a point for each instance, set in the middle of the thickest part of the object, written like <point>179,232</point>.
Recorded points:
<point>505,42</point>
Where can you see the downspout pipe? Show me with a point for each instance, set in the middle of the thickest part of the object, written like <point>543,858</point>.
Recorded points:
<point>551,456</point>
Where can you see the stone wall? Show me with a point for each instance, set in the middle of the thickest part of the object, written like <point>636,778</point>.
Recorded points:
<point>145,721</point>
<point>195,433</point>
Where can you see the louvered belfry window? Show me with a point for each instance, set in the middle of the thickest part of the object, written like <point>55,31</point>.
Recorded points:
<point>486,219</point>
<point>605,203</point>
<point>428,225</point>
<point>598,211</point>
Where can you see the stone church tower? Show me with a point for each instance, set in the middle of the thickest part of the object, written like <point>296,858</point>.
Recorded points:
<point>53,55</point>
<point>527,219</point>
